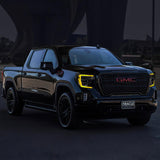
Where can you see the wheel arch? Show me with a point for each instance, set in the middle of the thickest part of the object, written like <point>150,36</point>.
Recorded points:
<point>62,88</point>
<point>9,83</point>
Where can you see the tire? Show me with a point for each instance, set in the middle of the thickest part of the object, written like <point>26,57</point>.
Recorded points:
<point>140,119</point>
<point>14,104</point>
<point>67,116</point>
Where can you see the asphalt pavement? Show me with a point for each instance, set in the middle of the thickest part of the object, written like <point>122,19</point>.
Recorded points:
<point>36,135</point>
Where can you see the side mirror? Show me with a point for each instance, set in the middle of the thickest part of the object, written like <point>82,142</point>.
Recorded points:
<point>47,66</point>
<point>129,63</point>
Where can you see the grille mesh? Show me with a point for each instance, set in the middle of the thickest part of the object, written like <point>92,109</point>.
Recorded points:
<point>109,85</point>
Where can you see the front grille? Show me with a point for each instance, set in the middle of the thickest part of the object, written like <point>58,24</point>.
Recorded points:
<point>109,86</point>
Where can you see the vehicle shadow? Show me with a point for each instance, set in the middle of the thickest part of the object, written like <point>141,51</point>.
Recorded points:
<point>110,124</point>
<point>40,119</point>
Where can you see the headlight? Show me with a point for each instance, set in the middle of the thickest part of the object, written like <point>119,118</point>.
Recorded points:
<point>151,80</point>
<point>86,81</point>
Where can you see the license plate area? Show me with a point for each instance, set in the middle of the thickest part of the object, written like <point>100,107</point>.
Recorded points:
<point>128,105</point>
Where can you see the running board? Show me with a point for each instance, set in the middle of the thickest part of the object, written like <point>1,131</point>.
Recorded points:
<point>39,108</point>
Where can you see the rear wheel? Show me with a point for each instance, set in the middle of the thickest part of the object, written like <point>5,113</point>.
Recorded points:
<point>140,119</point>
<point>14,104</point>
<point>66,113</point>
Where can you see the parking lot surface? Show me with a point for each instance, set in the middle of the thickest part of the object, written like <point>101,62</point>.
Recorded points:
<point>36,135</point>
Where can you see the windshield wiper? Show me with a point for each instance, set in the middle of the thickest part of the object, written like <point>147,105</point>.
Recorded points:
<point>97,66</point>
<point>90,67</point>
<point>85,67</point>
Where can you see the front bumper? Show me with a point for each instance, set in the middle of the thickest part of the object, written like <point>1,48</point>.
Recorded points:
<point>149,102</point>
<point>102,107</point>
<point>112,109</point>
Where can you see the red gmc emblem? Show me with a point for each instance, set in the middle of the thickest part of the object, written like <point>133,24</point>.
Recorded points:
<point>125,80</point>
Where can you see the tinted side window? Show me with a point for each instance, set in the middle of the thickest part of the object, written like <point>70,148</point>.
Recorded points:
<point>51,57</point>
<point>36,59</point>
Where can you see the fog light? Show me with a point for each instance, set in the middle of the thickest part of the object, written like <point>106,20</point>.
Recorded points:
<point>85,97</point>
<point>79,97</point>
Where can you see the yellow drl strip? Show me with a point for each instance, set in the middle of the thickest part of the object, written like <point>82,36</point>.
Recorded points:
<point>152,85</point>
<point>151,74</point>
<point>80,81</point>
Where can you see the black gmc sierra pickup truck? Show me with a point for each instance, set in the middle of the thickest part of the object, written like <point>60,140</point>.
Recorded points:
<point>80,82</point>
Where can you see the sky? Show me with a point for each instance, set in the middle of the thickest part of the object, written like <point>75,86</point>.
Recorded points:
<point>7,27</point>
<point>138,21</point>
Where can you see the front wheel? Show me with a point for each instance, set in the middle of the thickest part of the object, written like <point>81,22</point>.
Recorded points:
<point>66,113</point>
<point>140,119</point>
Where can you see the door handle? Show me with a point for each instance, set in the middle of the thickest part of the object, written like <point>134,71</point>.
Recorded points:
<point>24,73</point>
<point>39,74</point>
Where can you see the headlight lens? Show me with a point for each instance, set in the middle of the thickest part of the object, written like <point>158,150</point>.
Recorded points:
<point>86,81</point>
<point>152,80</point>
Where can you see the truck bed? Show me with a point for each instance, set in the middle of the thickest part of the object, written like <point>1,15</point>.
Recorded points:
<point>13,68</point>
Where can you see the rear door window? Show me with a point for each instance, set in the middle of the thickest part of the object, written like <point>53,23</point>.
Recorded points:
<point>36,59</point>
<point>51,57</point>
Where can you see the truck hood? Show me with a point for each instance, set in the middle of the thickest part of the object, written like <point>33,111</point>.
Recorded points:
<point>102,68</point>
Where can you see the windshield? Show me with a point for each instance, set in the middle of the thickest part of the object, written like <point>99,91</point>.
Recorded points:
<point>92,56</point>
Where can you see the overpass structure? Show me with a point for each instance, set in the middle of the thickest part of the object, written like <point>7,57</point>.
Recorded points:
<point>49,22</point>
